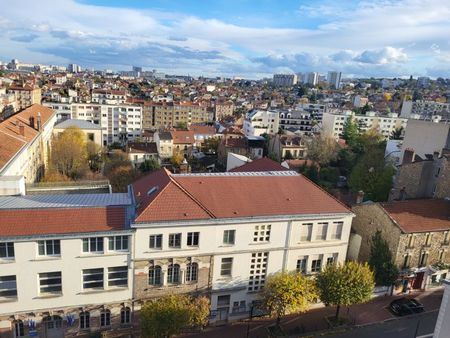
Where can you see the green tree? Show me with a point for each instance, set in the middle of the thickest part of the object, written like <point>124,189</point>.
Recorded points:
<point>350,131</point>
<point>288,155</point>
<point>345,285</point>
<point>288,292</point>
<point>119,170</point>
<point>181,125</point>
<point>323,149</point>
<point>380,260</point>
<point>149,165</point>
<point>94,155</point>
<point>177,159</point>
<point>211,144</point>
<point>168,316</point>
<point>396,134</point>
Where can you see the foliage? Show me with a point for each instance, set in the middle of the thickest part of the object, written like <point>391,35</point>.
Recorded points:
<point>120,177</point>
<point>181,125</point>
<point>350,131</point>
<point>323,149</point>
<point>372,176</point>
<point>396,134</point>
<point>311,172</point>
<point>68,155</point>
<point>288,155</point>
<point>177,159</point>
<point>239,112</point>
<point>329,174</point>
<point>149,165</point>
<point>169,315</point>
<point>288,293</point>
<point>273,157</point>
<point>346,284</point>
<point>54,176</point>
<point>211,144</point>
<point>380,260</point>
<point>94,156</point>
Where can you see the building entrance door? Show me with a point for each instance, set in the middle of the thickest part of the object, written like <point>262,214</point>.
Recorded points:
<point>53,327</point>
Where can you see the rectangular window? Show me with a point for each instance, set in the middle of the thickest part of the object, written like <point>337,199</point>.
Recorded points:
<point>175,240</point>
<point>118,276</point>
<point>411,241</point>
<point>93,244</point>
<point>337,230</point>
<point>428,238</point>
<point>50,282</point>
<point>49,247</point>
<point>223,300</point>
<point>193,238</point>
<point>118,243</point>
<point>441,255</point>
<point>7,250</point>
<point>93,278</point>
<point>226,266</point>
<point>406,261</point>
<point>446,241</point>
<point>306,232</point>
<point>331,260</point>
<point>316,265</point>
<point>228,237</point>
<point>155,242</point>
<point>8,287</point>
<point>321,234</point>
<point>258,266</point>
<point>261,233</point>
<point>423,259</point>
<point>302,264</point>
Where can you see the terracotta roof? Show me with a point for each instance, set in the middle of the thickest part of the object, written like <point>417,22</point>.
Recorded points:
<point>163,196</point>
<point>142,147</point>
<point>210,130</point>
<point>262,164</point>
<point>235,142</point>
<point>183,136</point>
<point>27,222</point>
<point>419,215</point>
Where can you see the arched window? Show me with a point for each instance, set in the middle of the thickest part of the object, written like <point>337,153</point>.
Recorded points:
<point>125,315</point>
<point>84,320</point>
<point>105,318</point>
<point>18,328</point>
<point>173,274</point>
<point>154,275</point>
<point>192,272</point>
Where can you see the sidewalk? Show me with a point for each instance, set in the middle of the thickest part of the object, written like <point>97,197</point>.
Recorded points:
<point>314,320</point>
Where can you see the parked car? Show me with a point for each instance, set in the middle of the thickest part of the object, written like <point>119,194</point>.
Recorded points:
<point>405,306</point>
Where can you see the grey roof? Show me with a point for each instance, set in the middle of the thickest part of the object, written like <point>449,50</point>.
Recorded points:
<point>64,201</point>
<point>82,124</point>
<point>165,135</point>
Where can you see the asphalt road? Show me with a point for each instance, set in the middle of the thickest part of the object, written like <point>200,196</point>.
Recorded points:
<point>404,327</point>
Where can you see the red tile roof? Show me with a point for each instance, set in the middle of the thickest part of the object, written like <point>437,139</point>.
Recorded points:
<point>26,222</point>
<point>232,195</point>
<point>419,215</point>
<point>262,164</point>
<point>182,137</point>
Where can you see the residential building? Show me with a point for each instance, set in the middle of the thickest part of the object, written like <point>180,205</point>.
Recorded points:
<point>139,152</point>
<point>109,96</point>
<point>359,102</point>
<point>65,264</point>
<point>8,104</point>
<point>183,142</point>
<point>417,232</point>
<point>426,110</point>
<point>311,78</point>
<point>202,133</point>
<point>423,81</point>
<point>259,165</point>
<point>164,144</point>
<point>223,109</point>
<point>236,143</point>
<point>26,95</point>
<point>316,110</point>
<point>284,80</point>
<point>425,138</point>
<point>229,232</point>
<point>74,68</point>
<point>295,120</point>
<point>25,142</point>
<point>92,131</point>
<point>334,79</point>
<point>289,146</point>
<point>259,122</point>
<point>333,122</point>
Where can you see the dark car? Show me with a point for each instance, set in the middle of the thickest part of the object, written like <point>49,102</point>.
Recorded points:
<point>405,306</point>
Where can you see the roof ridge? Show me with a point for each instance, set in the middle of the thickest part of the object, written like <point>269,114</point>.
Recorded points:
<point>209,212</point>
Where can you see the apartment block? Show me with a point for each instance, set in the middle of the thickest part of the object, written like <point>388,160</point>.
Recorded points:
<point>258,122</point>
<point>426,110</point>
<point>26,95</point>
<point>284,80</point>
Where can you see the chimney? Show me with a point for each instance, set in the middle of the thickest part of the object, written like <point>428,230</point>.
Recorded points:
<point>39,124</point>
<point>359,197</point>
<point>22,129</point>
<point>408,156</point>
<point>31,119</point>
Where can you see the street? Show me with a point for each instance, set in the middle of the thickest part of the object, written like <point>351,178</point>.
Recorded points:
<point>404,327</point>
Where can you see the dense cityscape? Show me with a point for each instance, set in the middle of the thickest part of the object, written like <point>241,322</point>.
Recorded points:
<point>137,202</point>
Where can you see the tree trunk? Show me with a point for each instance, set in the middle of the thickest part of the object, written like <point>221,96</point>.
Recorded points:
<point>337,312</point>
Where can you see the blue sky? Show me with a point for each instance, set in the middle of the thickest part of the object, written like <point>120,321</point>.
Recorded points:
<point>253,39</point>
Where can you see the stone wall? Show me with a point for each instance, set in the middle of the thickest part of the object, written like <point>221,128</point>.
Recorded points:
<point>443,179</point>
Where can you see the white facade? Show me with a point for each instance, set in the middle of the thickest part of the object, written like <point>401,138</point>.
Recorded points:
<point>333,123</point>
<point>427,110</point>
<point>334,79</point>
<point>260,122</point>
<point>311,78</point>
<point>284,80</point>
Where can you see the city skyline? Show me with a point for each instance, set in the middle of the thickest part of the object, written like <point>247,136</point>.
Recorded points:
<point>240,38</point>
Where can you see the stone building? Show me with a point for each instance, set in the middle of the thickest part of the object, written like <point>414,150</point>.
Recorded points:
<point>417,232</point>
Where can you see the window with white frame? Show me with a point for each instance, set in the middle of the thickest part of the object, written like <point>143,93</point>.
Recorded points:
<point>118,243</point>
<point>49,247</point>
<point>154,275</point>
<point>306,232</point>
<point>118,276</point>
<point>229,237</point>
<point>226,266</point>
<point>93,244</point>
<point>175,240</point>
<point>173,274</point>
<point>7,250</point>
<point>85,321</point>
<point>8,287</point>
<point>332,260</point>
<point>337,230</point>
<point>105,318</point>
<point>193,238</point>
<point>192,272</point>
<point>19,330</point>
<point>258,266</point>
<point>239,307</point>
<point>155,241</point>
<point>261,233</point>
<point>125,315</point>
<point>93,279</point>
<point>321,233</point>
<point>316,264</point>
<point>302,264</point>
<point>50,282</point>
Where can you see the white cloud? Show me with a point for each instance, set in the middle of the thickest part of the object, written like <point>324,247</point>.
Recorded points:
<point>386,55</point>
